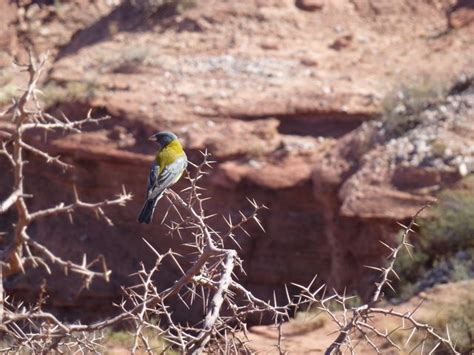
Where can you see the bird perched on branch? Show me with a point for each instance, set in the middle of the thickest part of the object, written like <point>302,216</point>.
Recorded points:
<point>167,168</point>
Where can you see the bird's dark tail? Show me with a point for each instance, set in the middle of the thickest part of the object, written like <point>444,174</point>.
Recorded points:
<point>146,214</point>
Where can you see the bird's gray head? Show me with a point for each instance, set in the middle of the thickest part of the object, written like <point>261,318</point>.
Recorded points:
<point>163,138</point>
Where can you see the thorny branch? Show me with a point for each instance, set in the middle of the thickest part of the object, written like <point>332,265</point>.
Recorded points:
<point>210,281</point>
<point>35,329</point>
<point>24,117</point>
<point>355,322</point>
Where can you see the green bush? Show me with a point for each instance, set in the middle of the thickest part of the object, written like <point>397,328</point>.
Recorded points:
<point>444,248</point>
<point>452,227</point>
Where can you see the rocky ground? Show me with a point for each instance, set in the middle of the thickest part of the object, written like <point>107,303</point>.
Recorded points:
<point>287,96</point>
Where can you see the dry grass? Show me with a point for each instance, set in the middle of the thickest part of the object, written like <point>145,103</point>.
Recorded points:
<point>120,342</point>
<point>73,91</point>
<point>449,307</point>
<point>306,322</point>
<point>7,92</point>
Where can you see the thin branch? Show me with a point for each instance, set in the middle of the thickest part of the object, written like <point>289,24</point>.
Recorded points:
<point>61,208</point>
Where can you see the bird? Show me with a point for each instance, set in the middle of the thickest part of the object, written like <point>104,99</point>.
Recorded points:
<point>167,168</point>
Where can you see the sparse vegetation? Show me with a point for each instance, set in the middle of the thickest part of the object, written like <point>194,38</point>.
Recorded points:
<point>451,308</point>
<point>174,6</point>
<point>401,108</point>
<point>438,148</point>
<point>73,91</point>
<point>7,92</point>
<point>122,340</point>
<point>445,247</point>
<point>130,62</point>
<point>452,227</point>
<point>305,322</point>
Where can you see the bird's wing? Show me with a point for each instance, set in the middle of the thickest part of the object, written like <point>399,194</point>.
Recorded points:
<point>167,177</point>
<point>154,170</point>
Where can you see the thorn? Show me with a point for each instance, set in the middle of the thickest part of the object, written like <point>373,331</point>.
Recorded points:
<point>76,196</point>
<point>373,267</point>
<point>151,247</point>
<point>387,246</point>
<point>259,223</point>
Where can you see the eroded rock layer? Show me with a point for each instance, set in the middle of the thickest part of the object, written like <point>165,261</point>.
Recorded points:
<point>287,96</point>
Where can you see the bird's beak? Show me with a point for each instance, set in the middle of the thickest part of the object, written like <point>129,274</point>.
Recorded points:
<point>152,138</point>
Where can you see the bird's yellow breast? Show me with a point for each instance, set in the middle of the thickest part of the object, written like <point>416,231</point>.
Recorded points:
<point>169,154</point>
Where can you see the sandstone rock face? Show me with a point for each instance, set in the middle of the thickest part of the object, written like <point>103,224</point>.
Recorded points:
<point>286,101</point>
<point>372,176</point>
<point>8,39</point>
